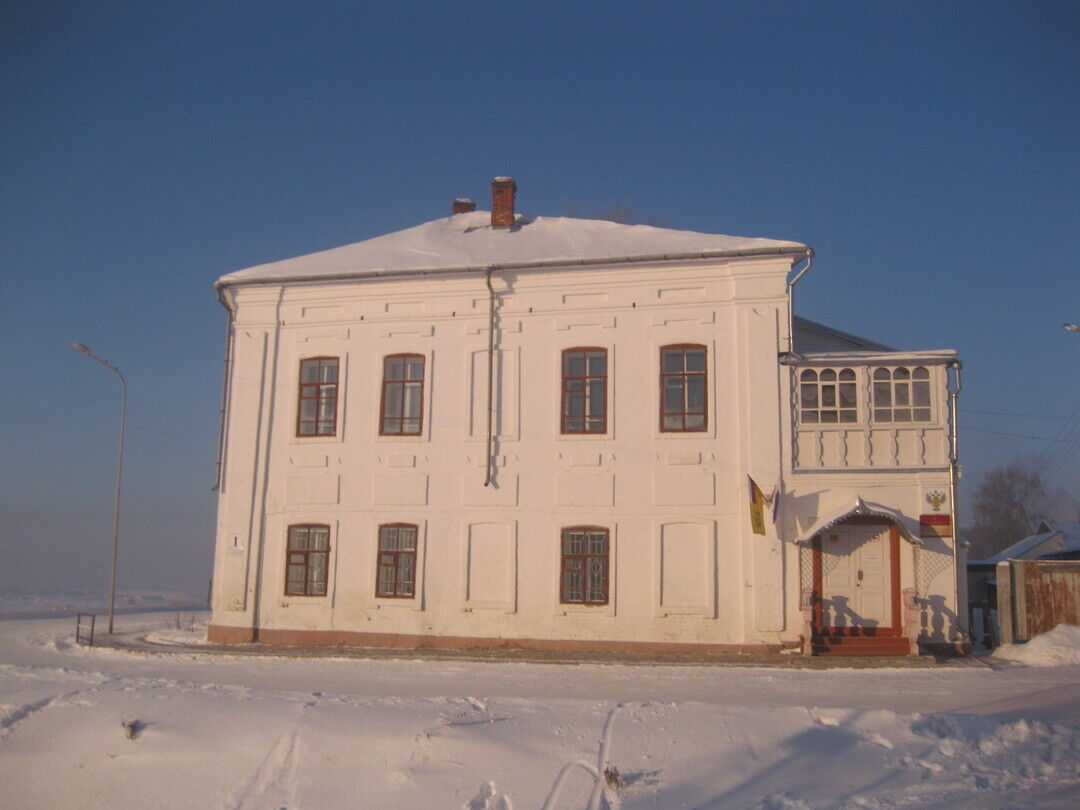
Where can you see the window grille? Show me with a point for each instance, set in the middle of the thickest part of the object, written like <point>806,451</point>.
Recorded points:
<point>585,565</point>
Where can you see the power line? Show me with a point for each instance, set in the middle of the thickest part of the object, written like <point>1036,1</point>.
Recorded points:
<point>1064,453</point>
<point>1010,413</point>
<point>1052,456</point>
<point>1020,435</point>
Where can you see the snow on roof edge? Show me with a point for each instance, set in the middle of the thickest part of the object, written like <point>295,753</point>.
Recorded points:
<point>898,355</point>
<point>227,281</point>
<point>467,243</point>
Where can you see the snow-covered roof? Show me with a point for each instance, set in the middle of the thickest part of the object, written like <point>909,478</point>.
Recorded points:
<point>1065,535</point>
<point>858,356</point>
<point>861,508</point>
<point>464,241</point>
<point>811,336</point>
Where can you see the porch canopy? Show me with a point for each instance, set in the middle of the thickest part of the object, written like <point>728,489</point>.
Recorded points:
<point>861,508</point>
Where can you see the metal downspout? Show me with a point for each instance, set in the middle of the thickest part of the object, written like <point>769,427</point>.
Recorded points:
<point>790,350</point>
<point>783,379</point>
<point>490,375</point>
<point>961,611</point>
<point>790,300</point>
<point>224,391</point>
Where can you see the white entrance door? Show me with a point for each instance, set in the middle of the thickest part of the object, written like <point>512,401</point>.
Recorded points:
<point>856,577</point>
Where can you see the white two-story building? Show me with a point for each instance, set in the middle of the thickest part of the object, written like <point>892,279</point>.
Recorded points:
<point>501,430</point>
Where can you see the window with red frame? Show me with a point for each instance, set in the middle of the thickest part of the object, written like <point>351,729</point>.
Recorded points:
<point>585,566</point>
<point>397,561</point>
<point>307,560</point>
<point>316,415</point>
<point>402,409</point>
<point>584,390</point>
<point>683,384</point>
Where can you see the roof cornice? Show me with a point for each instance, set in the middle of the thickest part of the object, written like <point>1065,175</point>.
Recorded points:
<point>742,253</point>
<point>831,358</point>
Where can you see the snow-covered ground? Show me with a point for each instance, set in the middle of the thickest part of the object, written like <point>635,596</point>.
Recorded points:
<point>1059,646</point>
<point>220,731</point>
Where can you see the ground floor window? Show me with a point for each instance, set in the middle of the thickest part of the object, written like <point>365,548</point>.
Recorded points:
<point>397,561</point>
<point>585,565</point>
<point>307,560</point>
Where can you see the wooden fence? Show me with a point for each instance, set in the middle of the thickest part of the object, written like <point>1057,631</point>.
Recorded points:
<point>1035,596</point>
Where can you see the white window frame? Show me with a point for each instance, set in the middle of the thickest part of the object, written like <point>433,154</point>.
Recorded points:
<point>895,385</point>
<point>819,407</point>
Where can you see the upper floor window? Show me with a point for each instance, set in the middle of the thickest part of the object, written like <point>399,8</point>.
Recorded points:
<point>584,391</point>
<point>316,414</point>
<point>901,395</point>
<point>683,381</point>
<point>397,561</point>
<point>585,555</point>
<point>402,410</point>
<point>827,396</point>
<point>306,560</point>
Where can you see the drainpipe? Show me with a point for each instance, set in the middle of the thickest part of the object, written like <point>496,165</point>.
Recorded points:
<point>961,610</point>
<point>781,399</point>
<point>783,411</point>
<point>224,389</point>
<point>790,302</point>
<point>491,377</point>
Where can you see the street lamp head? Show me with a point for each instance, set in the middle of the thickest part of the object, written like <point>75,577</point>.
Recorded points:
<point>1071,327</point>
<point>81,349</point>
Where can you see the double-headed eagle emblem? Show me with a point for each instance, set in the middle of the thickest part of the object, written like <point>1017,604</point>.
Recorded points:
<point>935,498</point>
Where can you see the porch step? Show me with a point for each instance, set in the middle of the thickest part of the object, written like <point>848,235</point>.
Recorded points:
<point>867,645</point>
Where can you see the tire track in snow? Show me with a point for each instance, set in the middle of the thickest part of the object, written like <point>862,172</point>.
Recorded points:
<point>669,730</point>
<point>274,782</point>
<point>13,718</point>
<point>601,790</point>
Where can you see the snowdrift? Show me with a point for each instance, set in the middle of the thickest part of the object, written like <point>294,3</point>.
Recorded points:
<point>1055,648</point>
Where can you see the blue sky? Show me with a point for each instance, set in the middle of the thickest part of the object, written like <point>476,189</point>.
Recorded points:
<point>926,151</point>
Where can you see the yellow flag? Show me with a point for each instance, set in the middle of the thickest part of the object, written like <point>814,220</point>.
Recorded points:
<point>757,507</point>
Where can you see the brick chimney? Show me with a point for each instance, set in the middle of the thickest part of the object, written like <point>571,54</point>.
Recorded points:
<point>463,205</point>
<point>502,201</point>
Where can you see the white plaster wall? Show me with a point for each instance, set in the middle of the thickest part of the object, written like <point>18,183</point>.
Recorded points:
<point>675,504</point>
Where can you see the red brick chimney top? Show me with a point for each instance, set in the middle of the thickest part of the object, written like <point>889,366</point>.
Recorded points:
<point>502,201</point>
<point>463,205</point>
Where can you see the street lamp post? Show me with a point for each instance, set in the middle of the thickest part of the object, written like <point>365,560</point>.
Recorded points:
<point>81,349</point>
